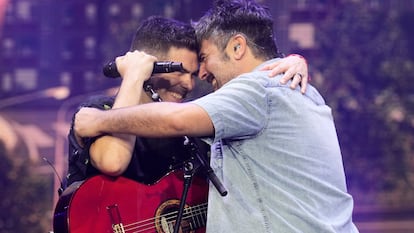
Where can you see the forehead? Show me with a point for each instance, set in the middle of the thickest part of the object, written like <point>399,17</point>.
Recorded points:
<point>185,56</point>
<point>207,46</point>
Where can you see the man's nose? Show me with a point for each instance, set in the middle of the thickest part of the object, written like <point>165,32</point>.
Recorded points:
<point>202,73</point>
<point>188,82</point>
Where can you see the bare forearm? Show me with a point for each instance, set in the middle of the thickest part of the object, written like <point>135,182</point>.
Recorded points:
<point>148,120</point>
<point>156,120</point>
<point>112,153</point>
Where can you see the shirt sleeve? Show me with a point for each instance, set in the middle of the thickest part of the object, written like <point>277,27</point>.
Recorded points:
<point>238,110</point>
<point>79,166</point>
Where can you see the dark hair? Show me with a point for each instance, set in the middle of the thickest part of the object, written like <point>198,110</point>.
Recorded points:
<point>230,17</point>
<point>156,35</point>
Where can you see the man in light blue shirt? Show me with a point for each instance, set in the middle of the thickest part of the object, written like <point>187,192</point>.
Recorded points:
<point>277,153</point>
<point>274,149</point>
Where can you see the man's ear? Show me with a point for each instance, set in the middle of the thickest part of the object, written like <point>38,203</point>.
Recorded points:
<point>238,45</point>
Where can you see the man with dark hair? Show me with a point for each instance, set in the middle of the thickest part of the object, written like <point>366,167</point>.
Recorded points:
<point>169,40</point>
<point>147,161</point>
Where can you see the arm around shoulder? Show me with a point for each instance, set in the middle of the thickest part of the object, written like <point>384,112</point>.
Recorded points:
<point>193,120</point>
<point>163,119</point>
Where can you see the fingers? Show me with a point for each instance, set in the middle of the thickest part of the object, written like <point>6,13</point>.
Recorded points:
<point>304,84</point>
<point>297,72</point>
<point>301,80</point>
<point>296,80</point>
<point>134,63</point>
<point>293,67</point>
<point>275,68</point>
<point>288,75</point>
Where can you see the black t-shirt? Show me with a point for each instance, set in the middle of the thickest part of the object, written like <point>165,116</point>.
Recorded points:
<point>152,157</point>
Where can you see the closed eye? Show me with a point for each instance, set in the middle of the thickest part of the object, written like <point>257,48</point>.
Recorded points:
<point>201,58</point>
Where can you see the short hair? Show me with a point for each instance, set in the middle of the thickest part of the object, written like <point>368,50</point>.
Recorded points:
<point>156,35</point>
<point>230,17</point>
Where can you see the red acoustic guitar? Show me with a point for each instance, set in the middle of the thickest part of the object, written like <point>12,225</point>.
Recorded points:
<point>103,204</point>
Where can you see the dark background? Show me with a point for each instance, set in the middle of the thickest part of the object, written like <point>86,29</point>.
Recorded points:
<point>360,54</point>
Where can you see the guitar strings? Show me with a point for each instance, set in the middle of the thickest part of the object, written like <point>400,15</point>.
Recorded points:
<point>170,217</point>
<point>151,227</point>
<point>198,210</point>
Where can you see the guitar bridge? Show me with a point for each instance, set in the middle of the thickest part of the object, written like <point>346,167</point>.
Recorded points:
<point>115,216</point>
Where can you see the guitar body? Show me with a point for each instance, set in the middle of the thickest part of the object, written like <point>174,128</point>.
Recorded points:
<point>103,204</point>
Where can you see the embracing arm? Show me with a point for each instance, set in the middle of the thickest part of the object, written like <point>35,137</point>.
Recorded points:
<point>147,120</point>
<point>111,153</point>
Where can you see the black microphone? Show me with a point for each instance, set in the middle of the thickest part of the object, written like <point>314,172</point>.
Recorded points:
<point>111,71</point>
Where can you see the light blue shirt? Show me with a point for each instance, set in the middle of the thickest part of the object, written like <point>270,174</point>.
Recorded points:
<point>276,152</point>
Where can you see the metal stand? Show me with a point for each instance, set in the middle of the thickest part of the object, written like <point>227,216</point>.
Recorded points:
<point>188,177</point>
<point>191,166</point>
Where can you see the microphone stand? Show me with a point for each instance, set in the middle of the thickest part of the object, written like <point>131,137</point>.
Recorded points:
<point>191,166</point>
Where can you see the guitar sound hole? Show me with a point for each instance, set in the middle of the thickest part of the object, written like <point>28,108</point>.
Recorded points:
<point>166,215</point>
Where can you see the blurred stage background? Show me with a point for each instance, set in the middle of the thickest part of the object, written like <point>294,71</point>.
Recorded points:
<point>361,57</point>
